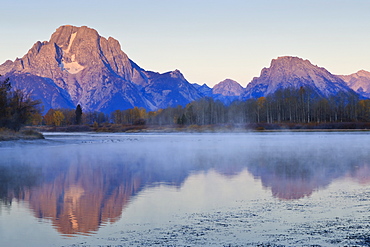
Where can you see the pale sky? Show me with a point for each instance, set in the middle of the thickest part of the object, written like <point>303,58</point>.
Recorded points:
<point>207,40</point>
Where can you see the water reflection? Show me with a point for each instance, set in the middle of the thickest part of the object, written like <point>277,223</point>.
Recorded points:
<point>15,180</point>
<point>296,174</point>
<point>84,196</point>
<point>81,187</point>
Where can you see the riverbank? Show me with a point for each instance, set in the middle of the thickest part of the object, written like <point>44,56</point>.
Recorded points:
<point>26,134</point>
<point>117,128</point>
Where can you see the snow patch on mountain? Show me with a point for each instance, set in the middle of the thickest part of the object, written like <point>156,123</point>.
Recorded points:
<point>73,36</point>
<point>73,67</point>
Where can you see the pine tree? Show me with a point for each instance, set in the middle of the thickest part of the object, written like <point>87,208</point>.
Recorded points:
<point>78,114</point>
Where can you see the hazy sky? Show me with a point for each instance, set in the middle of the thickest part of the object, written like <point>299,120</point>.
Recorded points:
<point>207,40</point>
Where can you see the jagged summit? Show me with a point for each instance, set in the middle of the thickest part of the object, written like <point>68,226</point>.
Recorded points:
<point>89,69</point>
<point>289,62</point>
<point>287,65</point>
<point>204,89</point>
<point>289,59</point>
<point>295,72</point>
<point>177,74</point>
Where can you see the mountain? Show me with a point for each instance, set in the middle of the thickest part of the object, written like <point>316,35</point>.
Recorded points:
<point>43,89</point>
<point>225,91</point>
<point>294,72</point>
<point>204,90</point>
<point>169,89</point>
<point>78,66</point>
<point>359,82</point>
<point>228,87</point>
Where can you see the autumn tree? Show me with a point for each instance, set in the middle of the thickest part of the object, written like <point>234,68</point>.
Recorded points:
<point>58,118</point>
<point>49,117</point>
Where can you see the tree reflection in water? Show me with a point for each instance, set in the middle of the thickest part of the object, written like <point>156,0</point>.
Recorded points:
<point>15,180</point>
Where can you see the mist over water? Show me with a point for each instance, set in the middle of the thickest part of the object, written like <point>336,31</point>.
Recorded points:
<point>186,189</point>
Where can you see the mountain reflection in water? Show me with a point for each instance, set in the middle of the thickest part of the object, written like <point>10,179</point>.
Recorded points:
<point>81,187</point>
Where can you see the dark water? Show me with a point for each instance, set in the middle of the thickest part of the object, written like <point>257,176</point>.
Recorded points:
<point>249,189</point>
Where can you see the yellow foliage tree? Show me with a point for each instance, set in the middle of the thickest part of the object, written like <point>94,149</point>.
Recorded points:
<point>58,118</point>
<point>143,114</point>
<point>49,117</point>
<point>261,101</point>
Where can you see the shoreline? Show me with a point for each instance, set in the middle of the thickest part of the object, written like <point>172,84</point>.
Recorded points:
<point>115,128</point>
<point>26,134</point>
<point>35,132</point>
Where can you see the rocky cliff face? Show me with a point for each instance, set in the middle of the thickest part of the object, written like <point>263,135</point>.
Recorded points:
<point>87,69</point>
<point>293,72</point>
<point>359,82</point>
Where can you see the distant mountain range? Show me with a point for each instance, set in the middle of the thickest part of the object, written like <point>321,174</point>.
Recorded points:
<point>78,66</point>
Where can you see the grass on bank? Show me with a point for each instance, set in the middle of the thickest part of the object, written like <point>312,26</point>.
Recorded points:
<point>25,134</point>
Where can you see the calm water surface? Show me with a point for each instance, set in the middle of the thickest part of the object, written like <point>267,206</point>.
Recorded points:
<point>242,189</point>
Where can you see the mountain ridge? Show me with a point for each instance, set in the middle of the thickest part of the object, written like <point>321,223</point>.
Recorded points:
<point>78,66</point>
<point>294,72</point>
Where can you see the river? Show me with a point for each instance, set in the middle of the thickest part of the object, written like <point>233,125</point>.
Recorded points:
<point>186,189</point>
